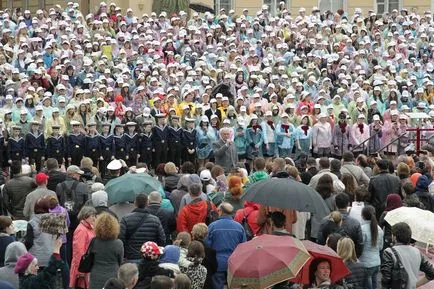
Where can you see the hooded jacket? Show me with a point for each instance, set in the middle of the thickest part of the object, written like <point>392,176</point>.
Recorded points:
<point>176,195</point>
<point>422,192</point>
<point>192,214</point>
<point>13,251</point>
<point>251,211</point>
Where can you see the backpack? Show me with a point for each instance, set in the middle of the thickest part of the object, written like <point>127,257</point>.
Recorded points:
<point>71,204</point>
<point>399,274</point>
<point>211,215</point>
<point>246,226</point>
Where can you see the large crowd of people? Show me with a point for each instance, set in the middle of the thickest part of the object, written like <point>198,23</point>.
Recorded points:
<point>209,104</point>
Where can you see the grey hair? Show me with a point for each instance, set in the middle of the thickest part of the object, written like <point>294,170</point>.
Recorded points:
<point>154,197</point>
<point>127,272</point>
<point>86,212</point>
<point>195,189</point>
<point>225,129</point>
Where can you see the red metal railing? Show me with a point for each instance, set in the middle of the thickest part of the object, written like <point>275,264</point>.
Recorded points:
<point>418,137</point>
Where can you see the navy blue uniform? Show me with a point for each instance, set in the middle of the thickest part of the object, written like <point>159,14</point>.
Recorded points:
<point>56,148</point>
<point>159,141</point>
<point>120,147</point>
<point>2,151</point>
<point>16,149</point>
<point>188,139</point>
<point>175,148</point>
<point>35,148</point>
<point>92,148</point>
<point>133,148</point>
<point>107,147</point>
<point>146,147</point>
<point>75,151</point>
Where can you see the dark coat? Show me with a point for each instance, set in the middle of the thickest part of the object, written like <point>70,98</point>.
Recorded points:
<point>167,219</point>
<point>15,192</point>
<point>45,278</point>
<point>210,263</point>
<point>149,269</point>
<point>55,177</point>
<point>380,186</point>
<point>149,228</point>
<point>171,182</point>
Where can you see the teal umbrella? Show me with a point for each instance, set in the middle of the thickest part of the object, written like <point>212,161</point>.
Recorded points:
<point>125,188</point>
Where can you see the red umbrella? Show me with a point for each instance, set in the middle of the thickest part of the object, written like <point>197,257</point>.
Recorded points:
<point>265,261</point>
<point>338,268</point>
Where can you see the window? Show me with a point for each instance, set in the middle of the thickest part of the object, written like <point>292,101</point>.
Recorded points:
<point>272,6</point>
<point>332,5</point>
<point>219,4</point>
<point>387,6</point>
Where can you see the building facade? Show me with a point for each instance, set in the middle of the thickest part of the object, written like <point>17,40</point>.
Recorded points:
<point>145,6</point>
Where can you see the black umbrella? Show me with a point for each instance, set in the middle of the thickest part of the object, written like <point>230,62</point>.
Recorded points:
<point>201,8</point>
<point>222,88</point>
<point>286,194</point>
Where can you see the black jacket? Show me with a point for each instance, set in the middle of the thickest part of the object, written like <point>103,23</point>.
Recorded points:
<point>55,177</point>
<point>171,182</point>
<point>104,209</point>
<point>149,269</point>
<point>308,174</point>
<point>280,175</point>
<point>380,186</point>
<point>167,220</point>
<point>210,263</point>
<point>149,228</point>
<point>405,253</point>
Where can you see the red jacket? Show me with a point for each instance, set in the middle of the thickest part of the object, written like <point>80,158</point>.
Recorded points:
<point>192,214</point>
<point>251,211</point>
<point>81,240</point>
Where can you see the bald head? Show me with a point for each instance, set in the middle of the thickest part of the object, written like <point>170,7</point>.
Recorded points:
<point>226,209</point>
<point>154,197</point>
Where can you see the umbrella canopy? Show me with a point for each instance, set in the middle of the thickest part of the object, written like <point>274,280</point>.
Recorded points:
<point>337,265</point>
<point>201,8</point>
<point>125,188</point>
<point>265,261</point>
<point>420,221</point>
<point>286,194</point>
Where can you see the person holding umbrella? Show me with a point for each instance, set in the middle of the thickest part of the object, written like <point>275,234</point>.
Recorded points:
<point>264,211</point>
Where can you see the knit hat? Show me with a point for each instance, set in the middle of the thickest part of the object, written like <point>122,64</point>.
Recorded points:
<point>150,250</point>
<point>414,178</point>
<point>393,202</point>
<point>23,262</point>
<point>99,198</point>
<point>171,254</point>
